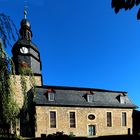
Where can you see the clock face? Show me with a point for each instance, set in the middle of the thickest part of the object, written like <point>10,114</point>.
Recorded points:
<point>24,50</point>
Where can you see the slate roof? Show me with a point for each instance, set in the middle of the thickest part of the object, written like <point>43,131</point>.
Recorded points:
<point>25,43</point>
<point>72,96</point>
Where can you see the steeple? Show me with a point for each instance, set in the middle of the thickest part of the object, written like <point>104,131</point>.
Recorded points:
<point>25,51</point>
<point>25,30</point>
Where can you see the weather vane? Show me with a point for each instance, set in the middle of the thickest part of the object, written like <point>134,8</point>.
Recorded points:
<point>25,9</point>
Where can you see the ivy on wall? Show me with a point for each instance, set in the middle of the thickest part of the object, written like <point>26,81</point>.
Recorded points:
<point>9,109</point>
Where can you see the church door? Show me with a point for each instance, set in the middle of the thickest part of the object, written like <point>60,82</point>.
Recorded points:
<point>91,130</point>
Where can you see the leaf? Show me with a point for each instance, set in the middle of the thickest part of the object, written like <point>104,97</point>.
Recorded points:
<point>137,2</point>
<point>121,4</point>
<point>116,10</point>
<point>114,3</point>
<point>8,30</point>
<point>132,3</point>
<point>127,4</point>
<point>138,14</point>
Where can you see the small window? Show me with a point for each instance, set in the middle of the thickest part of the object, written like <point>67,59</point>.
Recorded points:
<point>72,120</point>
<point>52,119</point>
<point>90,98</point>
<point>124,119</point>
<point>91,117</point>
<point>50,96</point>
<point>109,119</point>
<point>29,35</point>
<point>122,100</point>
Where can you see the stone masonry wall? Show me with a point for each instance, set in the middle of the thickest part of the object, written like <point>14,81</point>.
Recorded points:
<point>82,121</point>
<point>17,90</point>
<point>16,87</point>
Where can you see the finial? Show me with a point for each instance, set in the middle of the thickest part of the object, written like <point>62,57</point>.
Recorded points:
<point>25,9</point>
<point>25,13</point>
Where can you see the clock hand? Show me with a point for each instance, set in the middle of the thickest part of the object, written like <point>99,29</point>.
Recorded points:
<point>22,49</point>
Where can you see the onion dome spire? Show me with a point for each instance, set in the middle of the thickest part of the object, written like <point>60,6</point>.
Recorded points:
<point>25,30</point>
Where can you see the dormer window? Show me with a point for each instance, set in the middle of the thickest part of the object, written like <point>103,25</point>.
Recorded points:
<point>90,96</point>
<point>51,94</point>
<point>122,98</point>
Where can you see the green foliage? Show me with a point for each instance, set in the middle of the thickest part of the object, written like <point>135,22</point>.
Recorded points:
<point>9,109</point>
<point>24,72</point>
<point>8,30</point>
<point>117,5</point>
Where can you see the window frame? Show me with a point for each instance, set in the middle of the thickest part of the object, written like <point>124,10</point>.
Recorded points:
<point>109,121</point>
<point>70,126</point>
<point>95,130</point>
<point>122,99</point>
<point>51,119</point>
<point>50,95</point>
<point>90,98</point>
<point>124,119</point>
<point>89,118</point>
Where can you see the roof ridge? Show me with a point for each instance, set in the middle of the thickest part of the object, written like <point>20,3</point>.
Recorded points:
<point>79,88</point>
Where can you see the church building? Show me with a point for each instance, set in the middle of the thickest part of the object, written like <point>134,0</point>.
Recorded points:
<point>76,111</point>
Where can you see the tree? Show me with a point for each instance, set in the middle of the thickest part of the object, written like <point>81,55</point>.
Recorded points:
<point>117,5</point>
<point>8,30</point>
<point>9,109</point>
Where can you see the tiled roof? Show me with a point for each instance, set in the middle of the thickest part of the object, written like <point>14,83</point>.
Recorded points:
<point>72,96</point>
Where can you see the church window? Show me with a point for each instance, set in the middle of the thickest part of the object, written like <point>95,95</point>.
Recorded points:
<point>122,98</point>
<point>51,96</point>
<point>90,98</point>
<point>109,119</point>
<point>52,119</point>
<point>124,119</point>
<point>72,120</point>
<point>91,117</point>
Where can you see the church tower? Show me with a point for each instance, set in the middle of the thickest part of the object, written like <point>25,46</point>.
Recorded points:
<point>25,52</point>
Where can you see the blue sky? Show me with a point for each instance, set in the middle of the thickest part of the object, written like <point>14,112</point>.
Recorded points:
<point>83,43</point>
